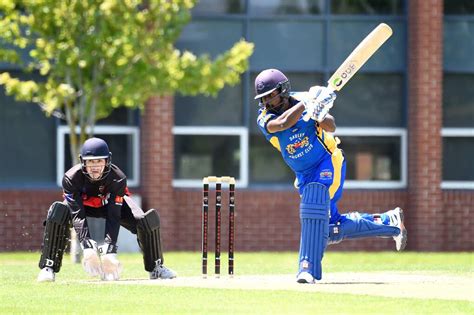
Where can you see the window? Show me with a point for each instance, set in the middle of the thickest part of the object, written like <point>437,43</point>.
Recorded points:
<point>200,36</point>
<point>26,160</point>
<point>280,44</point>
<point>458,149</point>
<point>123,143</point>
<point>458,7</point>
<point>458,97</point>
<point>219,7</point>
<point>224,110</point>
<point>371,99</point>
<point>393,7</point>
<point>375,158</point>
<point>209,151</point>
<point>285,7</point>
<point>458,100</point>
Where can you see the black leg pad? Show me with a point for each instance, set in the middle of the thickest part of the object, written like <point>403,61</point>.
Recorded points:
<point>56,236</point>
<point>148,231</point>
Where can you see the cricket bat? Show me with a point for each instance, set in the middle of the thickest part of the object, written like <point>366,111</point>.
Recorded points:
<point>359,56</point>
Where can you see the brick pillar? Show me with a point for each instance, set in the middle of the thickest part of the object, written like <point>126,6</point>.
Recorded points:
<point>425,216</point>
<point>157,153</point>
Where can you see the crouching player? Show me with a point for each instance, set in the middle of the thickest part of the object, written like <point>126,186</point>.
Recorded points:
<point>98,188</point>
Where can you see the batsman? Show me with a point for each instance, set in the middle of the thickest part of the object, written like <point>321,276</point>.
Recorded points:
<point>97,188</point>
<point>310,150</point>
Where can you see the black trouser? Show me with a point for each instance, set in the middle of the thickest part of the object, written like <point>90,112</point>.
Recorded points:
<point>129,216</point>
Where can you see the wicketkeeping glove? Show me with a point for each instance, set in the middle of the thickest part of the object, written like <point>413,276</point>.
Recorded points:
<point>91,260</point>
<point>111,266</point>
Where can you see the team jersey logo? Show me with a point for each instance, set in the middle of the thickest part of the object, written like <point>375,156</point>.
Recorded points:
<point>291,148</point>
<point>118,200</point>
<point>325,174</point>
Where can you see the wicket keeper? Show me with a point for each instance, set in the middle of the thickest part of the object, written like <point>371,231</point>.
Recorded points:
<point>97,188</point>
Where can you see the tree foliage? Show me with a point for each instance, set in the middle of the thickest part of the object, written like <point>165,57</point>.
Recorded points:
<point>96,55</point>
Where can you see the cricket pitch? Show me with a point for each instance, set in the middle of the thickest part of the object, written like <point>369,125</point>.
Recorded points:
<point>389,284</point>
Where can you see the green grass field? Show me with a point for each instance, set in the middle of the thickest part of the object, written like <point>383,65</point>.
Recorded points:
<point>75,292</point>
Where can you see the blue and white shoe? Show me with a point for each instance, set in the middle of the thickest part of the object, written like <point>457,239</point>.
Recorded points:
<point>305,277</point>
<point>396,219</point>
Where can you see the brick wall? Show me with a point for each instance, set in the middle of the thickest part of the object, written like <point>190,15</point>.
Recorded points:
<point>457,227</point>
<point>265,220</point>
<point>425,66</point>
<point>21,218</point>
<point>269,220</point>
<point>157,148</point>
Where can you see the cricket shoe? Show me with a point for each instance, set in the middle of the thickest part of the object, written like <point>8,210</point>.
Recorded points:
<point>46,275</point>
<point>161,272</point>
<point>396,219</point>
<point>305,277</point>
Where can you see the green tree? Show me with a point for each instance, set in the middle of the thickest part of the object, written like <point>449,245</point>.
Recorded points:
<point>96,55</point>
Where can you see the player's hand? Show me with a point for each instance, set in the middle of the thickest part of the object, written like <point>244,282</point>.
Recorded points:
<point>321,101</point>
<point>91,260</point>
<point>322,94</point>
<point>111,266</point>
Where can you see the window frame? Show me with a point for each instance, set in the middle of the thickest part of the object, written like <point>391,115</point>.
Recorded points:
<point>62,131</point>
<point>378,132</point>
<point>457,132</point>
<point>242,132</point>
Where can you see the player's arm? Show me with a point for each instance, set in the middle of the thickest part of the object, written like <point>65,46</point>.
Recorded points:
<point>286,120</point>
<point>76,207</point>
<point>328,124</point>
<point>114,209</point>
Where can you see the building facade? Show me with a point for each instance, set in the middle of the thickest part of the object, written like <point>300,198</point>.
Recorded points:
<point>406,122</point>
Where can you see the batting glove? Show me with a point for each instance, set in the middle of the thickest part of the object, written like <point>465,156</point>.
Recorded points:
<point>320,102</point>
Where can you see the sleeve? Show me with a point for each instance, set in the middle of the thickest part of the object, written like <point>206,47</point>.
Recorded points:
<point>114,209</point>
<point>262,121</point>
<point>76,207</point>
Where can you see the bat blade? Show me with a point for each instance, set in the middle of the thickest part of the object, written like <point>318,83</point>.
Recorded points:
<point>359,56</point>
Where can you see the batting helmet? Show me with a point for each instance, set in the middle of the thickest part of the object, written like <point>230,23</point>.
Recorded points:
<point>269,80</point>
<point>95,148</point>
